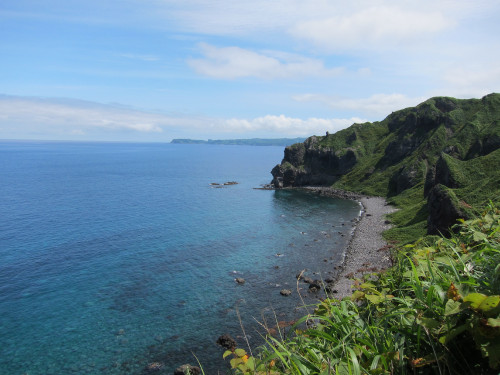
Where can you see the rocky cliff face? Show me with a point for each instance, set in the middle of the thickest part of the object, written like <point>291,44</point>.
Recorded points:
<point>309,163</point>
<point>421,148</point>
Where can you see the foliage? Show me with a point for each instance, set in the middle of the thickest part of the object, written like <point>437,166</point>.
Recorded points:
<point>436,311</point>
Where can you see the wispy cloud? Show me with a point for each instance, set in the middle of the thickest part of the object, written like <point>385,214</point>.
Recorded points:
<point>293,126</point>
<point>372,28</point>
<point>235,62</point>
<point>28,117</point>
<point>64,116</point>
<point>376,105</point>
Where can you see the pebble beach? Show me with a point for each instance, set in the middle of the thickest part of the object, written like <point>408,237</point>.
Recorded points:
<point>367,251</point>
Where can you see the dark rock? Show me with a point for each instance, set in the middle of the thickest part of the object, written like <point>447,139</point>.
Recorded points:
<point>330,288</point>
<point>226,342</point>
<point>187,369</point>
<point>315,286</point>
<point>285,292</point>
<point>309,163</point>
<point>240,280</point>
<point>444,210</point>
<point>307,280</point>
<point>231,183</point>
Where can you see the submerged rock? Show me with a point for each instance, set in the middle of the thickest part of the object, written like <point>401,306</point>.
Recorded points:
<point>240,280</point>
<point>187,369</point>
<point>285,292</point>
<point>154,367</point>
<point>226,342</point>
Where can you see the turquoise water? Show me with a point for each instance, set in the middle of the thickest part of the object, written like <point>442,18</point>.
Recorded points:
<point>113,255</point>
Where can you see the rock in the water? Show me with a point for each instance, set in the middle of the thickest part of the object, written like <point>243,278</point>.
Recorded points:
<point>154,367</point>
<point>307,280</point>
<point>315,286</point>
<point>285,292</point>
<point>226,342</point>
<point>231,183</point>
<point>187,369</point>
<point>240,280</point>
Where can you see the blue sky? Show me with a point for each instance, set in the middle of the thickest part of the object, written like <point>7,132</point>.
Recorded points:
<point>154,70</point>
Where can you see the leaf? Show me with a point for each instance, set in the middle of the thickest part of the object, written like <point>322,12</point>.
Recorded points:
<point>475,299</point>
<point>235,362</point>
<point>251,363</point>
<point>479,236</point>
<point>358,294</point>
<point>240,352</point>
<point>489,304</point>
<point>452,307</point>
<point>429,323</point>
<point>494,322</point>
<point>226,353</point>
<point>453,333</point>
<point>374,298</point>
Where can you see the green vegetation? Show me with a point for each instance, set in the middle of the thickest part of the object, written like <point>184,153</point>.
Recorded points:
<point>446,142</point>
<point>436,311</point>
<point>245,142</point>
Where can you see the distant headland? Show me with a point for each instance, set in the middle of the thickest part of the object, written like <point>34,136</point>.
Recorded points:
<point>245,142</point>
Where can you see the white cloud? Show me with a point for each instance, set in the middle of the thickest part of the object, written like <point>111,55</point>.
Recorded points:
<point>292,126</point>
<point>371,28</point>
<point>472,81</point>
<point>235,62</point>
<point>375,105</point>
<point>28,117</point>
<point>75,115</point>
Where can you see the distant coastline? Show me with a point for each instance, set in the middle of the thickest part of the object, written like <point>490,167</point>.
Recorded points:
<point>245,142</point>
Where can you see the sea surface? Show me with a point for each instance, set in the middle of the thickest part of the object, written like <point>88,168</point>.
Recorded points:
<point>117,255</point>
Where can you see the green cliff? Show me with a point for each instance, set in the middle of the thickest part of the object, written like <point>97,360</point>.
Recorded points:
<point>434,161</point>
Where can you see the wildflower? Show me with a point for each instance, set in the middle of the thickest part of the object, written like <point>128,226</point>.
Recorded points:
<point>453,293</point>
<point>245,358</point>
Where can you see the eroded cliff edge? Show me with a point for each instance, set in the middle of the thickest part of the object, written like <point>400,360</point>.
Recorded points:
<point>434,160</point>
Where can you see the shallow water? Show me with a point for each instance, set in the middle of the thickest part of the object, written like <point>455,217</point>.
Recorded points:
<point>113,256</point>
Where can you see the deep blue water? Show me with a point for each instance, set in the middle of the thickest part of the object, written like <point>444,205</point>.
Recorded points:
<point>114,255</point>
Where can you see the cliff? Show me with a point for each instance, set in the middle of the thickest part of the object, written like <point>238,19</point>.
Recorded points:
<point>435,161</point>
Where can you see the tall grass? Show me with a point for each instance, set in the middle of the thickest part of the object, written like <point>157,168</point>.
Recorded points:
<point>436,311</point>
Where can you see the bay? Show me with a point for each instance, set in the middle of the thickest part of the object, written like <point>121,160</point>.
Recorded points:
<point>117,255</point>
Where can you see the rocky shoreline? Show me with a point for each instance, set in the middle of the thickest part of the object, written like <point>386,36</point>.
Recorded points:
<point>367,250</point>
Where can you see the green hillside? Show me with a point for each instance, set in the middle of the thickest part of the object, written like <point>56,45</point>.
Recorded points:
<point>434,161</point>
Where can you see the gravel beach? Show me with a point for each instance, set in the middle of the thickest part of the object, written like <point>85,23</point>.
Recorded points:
<point>366,251</point>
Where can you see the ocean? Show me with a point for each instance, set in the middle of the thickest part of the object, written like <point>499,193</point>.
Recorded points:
<point>117,255</point>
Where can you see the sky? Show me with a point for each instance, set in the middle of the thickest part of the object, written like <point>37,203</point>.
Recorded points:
<point>155,70</point>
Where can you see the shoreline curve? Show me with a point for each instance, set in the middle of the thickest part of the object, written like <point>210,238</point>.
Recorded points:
<point>367,250</point>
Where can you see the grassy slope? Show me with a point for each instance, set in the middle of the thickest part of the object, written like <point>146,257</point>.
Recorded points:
<point>435,131</point>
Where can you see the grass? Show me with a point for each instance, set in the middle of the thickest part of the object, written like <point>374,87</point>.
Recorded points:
<point>437,311</point>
